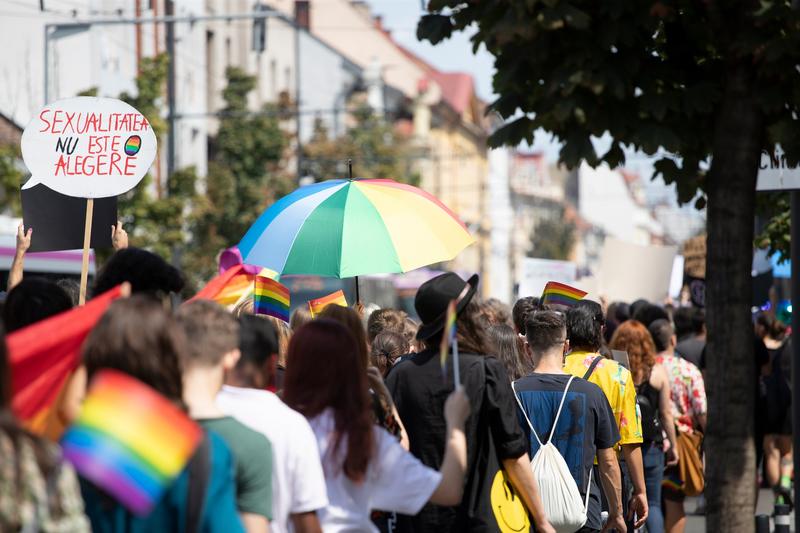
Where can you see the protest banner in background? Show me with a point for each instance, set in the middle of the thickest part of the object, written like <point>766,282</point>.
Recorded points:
<point>631,271</point>
<point>57,220</point>
<point>88,147</point>
<point>694,253</point>
<point>535,273</point>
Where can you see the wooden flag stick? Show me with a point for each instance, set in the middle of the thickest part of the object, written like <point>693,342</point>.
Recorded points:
<point>87,238</point>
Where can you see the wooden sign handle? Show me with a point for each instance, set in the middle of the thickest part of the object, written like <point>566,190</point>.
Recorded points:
<point>87,238</point>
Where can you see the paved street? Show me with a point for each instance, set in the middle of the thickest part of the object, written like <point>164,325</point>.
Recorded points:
<point>697,523</point>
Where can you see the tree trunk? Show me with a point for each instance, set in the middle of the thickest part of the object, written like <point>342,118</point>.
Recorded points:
<point>730,454</point>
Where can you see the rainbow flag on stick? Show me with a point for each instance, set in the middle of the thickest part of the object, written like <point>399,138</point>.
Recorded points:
<point>556,293</point>
<point>336,298</point>
<point>271,298</point>
<point>449,339</point>
<point>129,440</point>
<point>233,285</point>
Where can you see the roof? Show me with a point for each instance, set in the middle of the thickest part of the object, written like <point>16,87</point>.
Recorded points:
<point>10,131</point>
<point>457,88</point>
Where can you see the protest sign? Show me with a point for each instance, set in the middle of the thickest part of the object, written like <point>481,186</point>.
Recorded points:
<point>630,271</point>
<point>776,173</point>
<point>57,220</point>
<point>694,253</point>
<point>88,147</point>
<point>535,273</point>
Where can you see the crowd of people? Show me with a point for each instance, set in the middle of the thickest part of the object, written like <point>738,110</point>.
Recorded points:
<point>349,422</point>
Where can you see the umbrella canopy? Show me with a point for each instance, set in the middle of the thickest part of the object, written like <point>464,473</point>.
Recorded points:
<point>346,228</point>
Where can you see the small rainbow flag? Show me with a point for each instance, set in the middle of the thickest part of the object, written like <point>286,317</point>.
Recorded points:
<point>336,298</point>
<point>556,293</point>
<point>271,298</point>
<point>129,440</point>
<point>449,335</point>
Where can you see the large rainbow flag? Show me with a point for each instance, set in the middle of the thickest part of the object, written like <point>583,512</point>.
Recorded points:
<point>44,355</point>
<point>336,298</point>
<point>129,440</point>
<point>271,299</point>
<point>233,285</point>
<point>556,293</point>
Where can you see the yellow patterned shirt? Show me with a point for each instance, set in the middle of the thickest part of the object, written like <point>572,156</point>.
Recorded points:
<point>617,384</point>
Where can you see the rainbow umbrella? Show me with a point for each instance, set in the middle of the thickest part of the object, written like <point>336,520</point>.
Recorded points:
<point>348,228</point>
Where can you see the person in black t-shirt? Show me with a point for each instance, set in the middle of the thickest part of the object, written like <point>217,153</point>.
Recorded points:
<point>586,427</point>
<point>498,465</point>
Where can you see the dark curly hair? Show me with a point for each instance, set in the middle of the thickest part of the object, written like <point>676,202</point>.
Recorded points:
<point>32,300</point>
<point>145,271</point>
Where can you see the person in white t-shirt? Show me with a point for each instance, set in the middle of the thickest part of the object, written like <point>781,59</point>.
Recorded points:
<point>298,484</point>
<point>365,467</point>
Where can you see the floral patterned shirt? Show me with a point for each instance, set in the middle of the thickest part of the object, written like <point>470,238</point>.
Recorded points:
<point>688,390</point>
<point>617,384</point>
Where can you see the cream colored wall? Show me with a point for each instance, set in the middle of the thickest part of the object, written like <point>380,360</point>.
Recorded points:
<point>347,29</point>
<point>457,174</point>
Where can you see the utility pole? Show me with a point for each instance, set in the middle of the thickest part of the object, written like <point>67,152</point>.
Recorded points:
<point>297,30</point>
<point>169,11</point>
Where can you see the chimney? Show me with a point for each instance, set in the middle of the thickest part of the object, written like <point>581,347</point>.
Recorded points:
<point>302,14</point>
<point>378,20</point>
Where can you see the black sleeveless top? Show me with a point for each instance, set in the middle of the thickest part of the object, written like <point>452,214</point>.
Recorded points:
<point>647,397</point>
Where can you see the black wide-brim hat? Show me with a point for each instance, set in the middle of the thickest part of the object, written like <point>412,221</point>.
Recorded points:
<point>435,295</point>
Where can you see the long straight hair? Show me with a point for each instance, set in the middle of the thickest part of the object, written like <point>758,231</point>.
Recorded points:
<point>509,349</point>
<point>324,371</point>
<point>470,332</point>
<point>348,317</point>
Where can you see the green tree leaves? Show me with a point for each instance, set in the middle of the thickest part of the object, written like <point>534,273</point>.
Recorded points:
<point>552,238</point>
<point>244,175</point>
<point>376,148</point>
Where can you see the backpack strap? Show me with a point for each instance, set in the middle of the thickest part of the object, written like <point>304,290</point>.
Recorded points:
<point>591,368</point>
<point>199,473</point>
<point>560,406</point>
<point>558,413</point>
<point>522,409</point>
<point>588,491</point>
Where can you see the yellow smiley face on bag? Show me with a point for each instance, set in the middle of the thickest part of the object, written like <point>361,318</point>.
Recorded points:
<point>509,511</point>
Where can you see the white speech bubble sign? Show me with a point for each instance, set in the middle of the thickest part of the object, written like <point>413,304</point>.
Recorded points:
<point>88,147</point>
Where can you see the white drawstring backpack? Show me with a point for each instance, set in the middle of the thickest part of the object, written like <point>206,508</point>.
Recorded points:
<point>561,498</point>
